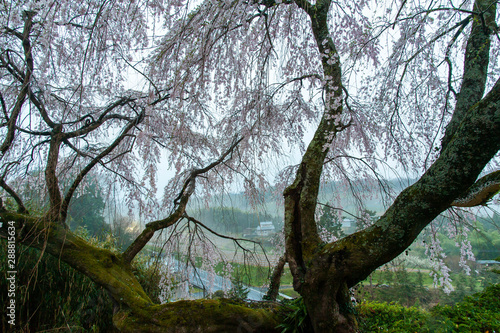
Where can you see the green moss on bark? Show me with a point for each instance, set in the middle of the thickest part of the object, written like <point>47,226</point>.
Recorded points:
<point>220,315</point>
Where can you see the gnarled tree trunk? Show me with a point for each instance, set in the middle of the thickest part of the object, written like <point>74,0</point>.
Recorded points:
<point>323,273</point>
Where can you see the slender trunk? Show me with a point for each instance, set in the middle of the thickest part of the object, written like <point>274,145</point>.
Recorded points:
<point>274,286</point>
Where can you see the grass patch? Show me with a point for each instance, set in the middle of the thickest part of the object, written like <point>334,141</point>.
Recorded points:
<point>289,292</point>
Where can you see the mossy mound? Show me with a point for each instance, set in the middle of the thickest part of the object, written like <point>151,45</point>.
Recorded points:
<point>219,315</point>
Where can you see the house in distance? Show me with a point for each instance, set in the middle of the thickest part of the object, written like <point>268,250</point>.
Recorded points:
<point>265,229</point>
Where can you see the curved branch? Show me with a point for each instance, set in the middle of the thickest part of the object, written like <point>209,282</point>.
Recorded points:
<point>475,143</point>
<point>101,265</point>
<point>102,118</point>
<point>43,111</point>
<point>180,206</point>
<point>95,160</point>
<point>480,192</point>
<point>21,208</point>
<point>11,124</point>
<point>19,76</point>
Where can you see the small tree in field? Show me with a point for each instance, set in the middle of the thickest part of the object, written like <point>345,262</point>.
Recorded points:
<point>224,88</point>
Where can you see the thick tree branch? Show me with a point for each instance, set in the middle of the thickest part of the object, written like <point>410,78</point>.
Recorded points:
<point>475,143</point>
<point>51,180</point>
<point>179,209</point>
<point>137,313</point>
<point>102,266</point>
<point>300,198</point>
<point>476,62</point>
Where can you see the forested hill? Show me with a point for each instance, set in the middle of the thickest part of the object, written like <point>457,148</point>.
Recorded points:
<point>349,196</point>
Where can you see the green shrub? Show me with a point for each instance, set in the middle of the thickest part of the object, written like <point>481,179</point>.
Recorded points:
<point>477,313</point>
<point>295,318</point>
<point>389,317</point>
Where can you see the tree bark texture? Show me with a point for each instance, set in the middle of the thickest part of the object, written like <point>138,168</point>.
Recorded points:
<point>323,273</point>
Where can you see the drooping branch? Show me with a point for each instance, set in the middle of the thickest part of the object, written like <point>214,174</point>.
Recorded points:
<point>237,241</point>
<point>476,62</point>
<point>179,209</point>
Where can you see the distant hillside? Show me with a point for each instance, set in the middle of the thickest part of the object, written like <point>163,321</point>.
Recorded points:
<point>349,196</point>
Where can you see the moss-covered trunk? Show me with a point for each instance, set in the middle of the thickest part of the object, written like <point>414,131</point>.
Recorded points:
<point>323,273</point>
<point>326,296</point>
<point>134,311</point>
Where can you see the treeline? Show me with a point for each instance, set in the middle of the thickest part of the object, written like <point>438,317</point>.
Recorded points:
<point>234,220</point>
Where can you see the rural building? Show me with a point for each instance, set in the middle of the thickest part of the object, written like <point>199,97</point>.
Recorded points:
<point>265,229</point>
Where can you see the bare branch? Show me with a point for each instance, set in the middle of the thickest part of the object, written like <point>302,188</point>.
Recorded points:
<point>43,111</point>
<point>87,128</point>
<point>95,160</point>
<point>23,130</point>
<point>235,240</point>
<point>180,206</point>
<point>18,75</point>
<point>21,209</point>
